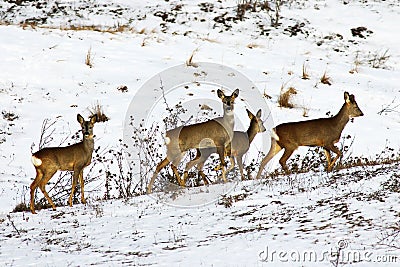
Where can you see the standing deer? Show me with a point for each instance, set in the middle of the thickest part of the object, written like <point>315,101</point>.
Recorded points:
<point>240,145</point>
<point>48,161</point>
<point>217,133</point>
<point>323,132</point>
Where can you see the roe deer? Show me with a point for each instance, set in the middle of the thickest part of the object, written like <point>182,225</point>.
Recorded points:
<point>217,133</point>
<point>323,132</point>
<point>48,161</point>
<point>240,145</point>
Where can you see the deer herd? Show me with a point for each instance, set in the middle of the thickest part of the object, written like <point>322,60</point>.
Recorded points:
<point>213,136</point>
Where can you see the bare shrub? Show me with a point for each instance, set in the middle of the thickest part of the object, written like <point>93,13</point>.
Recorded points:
<point>274,12</point>
<point>378,59</point>
<point>388,108</point>
<point>243,7</point>
<point>9,115</point>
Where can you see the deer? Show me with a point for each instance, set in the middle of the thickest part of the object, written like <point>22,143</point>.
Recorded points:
<point>216,133</point>
<point>240,145</point>
<point>322,132</point>
<point>76,157</point>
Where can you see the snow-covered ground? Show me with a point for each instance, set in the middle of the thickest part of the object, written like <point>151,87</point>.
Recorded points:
<point>43,75</point>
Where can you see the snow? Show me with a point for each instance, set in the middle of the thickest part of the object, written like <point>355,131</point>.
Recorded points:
<point>43,75</point>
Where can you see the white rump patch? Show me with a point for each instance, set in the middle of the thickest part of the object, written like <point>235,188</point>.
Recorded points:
<point>36,161</point>
<point>274,135</point>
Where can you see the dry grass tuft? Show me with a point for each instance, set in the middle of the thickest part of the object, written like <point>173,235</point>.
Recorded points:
<point>284,99</point>
<point>89,58</point>
<point>254,45</point>
<point>357,63</point>
<point>305,111</point>
<point>325,79</point>
<point>97,110</point>
<point>305,75</point>
<point>190,62</point>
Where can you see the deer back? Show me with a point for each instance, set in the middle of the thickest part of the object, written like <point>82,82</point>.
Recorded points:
<point>201,135</point>
<point>66,158</point>
<point>318,132</point>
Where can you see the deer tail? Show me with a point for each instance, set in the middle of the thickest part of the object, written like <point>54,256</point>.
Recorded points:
<point>36,161</point>
<point>274,135</point>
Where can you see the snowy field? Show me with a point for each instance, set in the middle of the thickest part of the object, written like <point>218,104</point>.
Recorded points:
<point>349,217</point>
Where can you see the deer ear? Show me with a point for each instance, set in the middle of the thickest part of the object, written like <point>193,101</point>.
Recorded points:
<point>251,116</point>
<point>220,94</point>
<point>93,119</point>
<point>346,97</point>
<point>258,114</point>
<point>235,93</point>
<point>80,119</point>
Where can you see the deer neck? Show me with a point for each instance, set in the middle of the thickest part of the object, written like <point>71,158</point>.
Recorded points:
<point>251,132</point>
<point>342,118</point>
<point>88,143</point>
<point>228,120</point>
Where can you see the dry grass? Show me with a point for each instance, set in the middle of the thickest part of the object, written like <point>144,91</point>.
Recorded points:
<point>325,79</point>
<point>254,45</point>
<point>265,95</point>
<point>89,58</point>
<point>144,42</point>
<point>118,28</point>
<point>305,111</point>
<point>210,40</point>
<point>357,63</point>
<point>97,110</point>
<point>305,75</point>
<point>190,62</point>
<point>284,99</point>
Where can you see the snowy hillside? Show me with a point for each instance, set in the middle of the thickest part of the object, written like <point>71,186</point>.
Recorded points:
<point>61,58</point>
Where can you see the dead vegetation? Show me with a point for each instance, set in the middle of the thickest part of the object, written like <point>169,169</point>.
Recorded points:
<point>190,62</point>
<point>305,75</point>
<point>285,98</point>
<point>89,58</point>
<point>325,79</point>
<point>97,110</point>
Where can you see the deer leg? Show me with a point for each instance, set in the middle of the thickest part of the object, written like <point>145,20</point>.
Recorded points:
<point>181,181</point>
<point>42,185</point>
<point>221,153</point>
<point>286,155</point>
<point>159,167</point>
<point>328,157</point>
<point>34,185</point>
<point>83,200</point>
<point>200,169</point>
<point>174,164</point>
<point>275,148</point>
<point>240,164</point>
<point>75,178</point>
<point>338,154</point>
<point>201,156</point>
<point>232,165</point>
